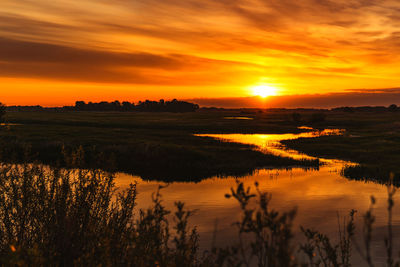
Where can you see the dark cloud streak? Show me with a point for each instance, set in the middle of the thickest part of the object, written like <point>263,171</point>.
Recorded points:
<point>21,51</point>
<point>38,60</point>
<point>361,97</point>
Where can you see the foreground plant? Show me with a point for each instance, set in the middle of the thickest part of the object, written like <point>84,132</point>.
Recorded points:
<point>73,218</point>
<point>65,218</point>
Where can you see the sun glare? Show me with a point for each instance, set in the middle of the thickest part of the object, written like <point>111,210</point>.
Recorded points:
<point>264,90</point>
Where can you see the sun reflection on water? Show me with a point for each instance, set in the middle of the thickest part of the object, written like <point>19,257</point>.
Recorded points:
<point>271,143</point>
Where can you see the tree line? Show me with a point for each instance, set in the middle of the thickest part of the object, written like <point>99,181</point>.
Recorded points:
<point>392,108</point>
<point>142,106</point>
<point>149,106</point>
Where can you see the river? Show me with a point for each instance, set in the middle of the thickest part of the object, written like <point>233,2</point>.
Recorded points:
<point>319,195</point>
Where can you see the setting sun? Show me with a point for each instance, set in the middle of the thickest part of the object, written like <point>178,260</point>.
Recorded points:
<point>264,90</point>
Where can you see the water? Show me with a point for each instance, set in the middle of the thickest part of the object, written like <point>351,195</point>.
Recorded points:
<point>270,143</point>
<point>238,118</point>
<point>319,195</point>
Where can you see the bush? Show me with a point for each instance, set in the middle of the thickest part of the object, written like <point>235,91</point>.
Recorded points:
<point>65,218</point>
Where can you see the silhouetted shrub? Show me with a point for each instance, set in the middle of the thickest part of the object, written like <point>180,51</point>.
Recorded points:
<point>56,217</point>
<point>2,112</point>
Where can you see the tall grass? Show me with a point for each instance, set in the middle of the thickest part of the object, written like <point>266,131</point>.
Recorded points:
<point>65,218</point>
<point>57,217</point>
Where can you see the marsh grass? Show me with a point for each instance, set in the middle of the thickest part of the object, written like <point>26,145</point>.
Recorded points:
<point>64,218</point>
<point>194,159</point>
<point>58,217</point>
<point>270,241</point>
<point>143,142</point>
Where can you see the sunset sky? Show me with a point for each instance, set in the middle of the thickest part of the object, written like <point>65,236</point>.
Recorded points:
<point>56,52</point>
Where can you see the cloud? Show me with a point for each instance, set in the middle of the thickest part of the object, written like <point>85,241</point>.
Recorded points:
<point>301,45</point>
<point>372,91</point>
<point>31,59</point>
<point>21,25</point>
<point>360,97</point>
<point>20,51</point>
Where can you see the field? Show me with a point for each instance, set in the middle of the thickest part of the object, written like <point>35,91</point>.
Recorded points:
<point>153,145</point>
<point>162,146</point>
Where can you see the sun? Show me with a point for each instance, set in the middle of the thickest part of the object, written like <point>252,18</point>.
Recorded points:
<point>264,90</point>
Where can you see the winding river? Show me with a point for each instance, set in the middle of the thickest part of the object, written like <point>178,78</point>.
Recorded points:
<point>319,195</point>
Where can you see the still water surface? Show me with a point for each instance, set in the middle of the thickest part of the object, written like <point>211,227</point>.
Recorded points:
<point>319,195</point>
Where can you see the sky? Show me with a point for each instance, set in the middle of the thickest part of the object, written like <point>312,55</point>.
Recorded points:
<point>348,98</point>
<point>56,52</point>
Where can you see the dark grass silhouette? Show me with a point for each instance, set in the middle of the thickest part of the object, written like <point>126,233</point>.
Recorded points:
<point>187,161</point>
<point>61,218</point>
<point>56,217</point>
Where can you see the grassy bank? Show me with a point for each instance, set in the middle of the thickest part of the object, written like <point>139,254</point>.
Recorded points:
<point>153,145</point>
<point>371,139</point>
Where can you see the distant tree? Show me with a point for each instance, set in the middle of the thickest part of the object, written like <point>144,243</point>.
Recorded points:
<point>127,106</point>
<point>116,105</point>
<point>146,106</point>
<point>393,108</point>
<point>80,105</point>
<point>2,112</point>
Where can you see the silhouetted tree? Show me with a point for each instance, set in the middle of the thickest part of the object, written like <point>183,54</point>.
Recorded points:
<point>393,107</point>
<point>80,105</point>
<point>127,106</point>
<point>146,106</point>
<point>364,109</point>
<point>2,112</point>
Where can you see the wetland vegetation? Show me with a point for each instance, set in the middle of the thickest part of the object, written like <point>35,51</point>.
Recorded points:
<point>372,139</point>
<point>153,145</point>
<point>163,146</point>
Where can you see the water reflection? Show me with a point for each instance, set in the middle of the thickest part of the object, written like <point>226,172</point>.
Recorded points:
<point>270,143</point>
<point>318,195</point>
<point>238,118</point>
<point>10,124</point>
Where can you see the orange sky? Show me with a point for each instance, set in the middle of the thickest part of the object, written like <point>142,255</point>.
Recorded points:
<point>56,52</point>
